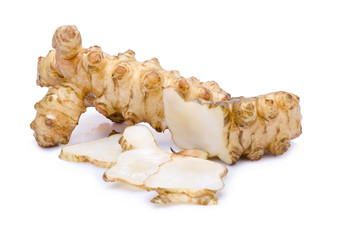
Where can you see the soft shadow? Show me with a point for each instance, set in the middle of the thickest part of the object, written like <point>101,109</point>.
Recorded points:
<point>93,125</point>
<point>124,187</point>
<point>46,149</point>
<point>268,156</point>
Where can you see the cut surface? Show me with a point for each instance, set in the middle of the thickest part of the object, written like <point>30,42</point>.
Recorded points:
<point>194,125</point>
<point>102,152</point>
<point>135,166</point>
<point>188,173</point>
<point>140,159</point>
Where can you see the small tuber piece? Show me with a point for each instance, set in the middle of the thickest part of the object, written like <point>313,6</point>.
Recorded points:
<point>101,153</point>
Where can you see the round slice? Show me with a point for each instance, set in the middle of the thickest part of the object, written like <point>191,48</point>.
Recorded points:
<point>188,173</point>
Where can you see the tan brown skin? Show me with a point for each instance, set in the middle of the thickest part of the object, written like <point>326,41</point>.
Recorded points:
<point>123,89</point>
<point>200,197</point>
<point>75,158</point>
<point>119,87</point>
<point>266,122</point>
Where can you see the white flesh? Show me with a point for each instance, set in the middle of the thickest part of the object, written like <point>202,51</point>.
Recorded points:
<point>188,173</point>
<point>102,152</point>
<point>195,126</point>
<point>135,166</point>
<point>177,178</point>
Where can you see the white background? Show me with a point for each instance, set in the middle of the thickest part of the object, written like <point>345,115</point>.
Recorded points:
<point>310,48</point>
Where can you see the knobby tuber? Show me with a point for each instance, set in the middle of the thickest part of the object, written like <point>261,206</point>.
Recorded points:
<point>123,89</point>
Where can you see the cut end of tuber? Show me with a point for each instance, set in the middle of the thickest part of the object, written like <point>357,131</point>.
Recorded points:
<point>194,125</point>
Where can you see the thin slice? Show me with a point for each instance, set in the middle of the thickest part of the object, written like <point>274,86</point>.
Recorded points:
<point>187,180</point>
<point>135,166</point>
<point>101,153</point>
<point>141,159</point>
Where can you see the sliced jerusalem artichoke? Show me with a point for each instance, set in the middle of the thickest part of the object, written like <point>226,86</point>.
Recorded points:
<point>187,180</point>
<point>176,177</point>
<point>101,153</point>
<point>140,159</point>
